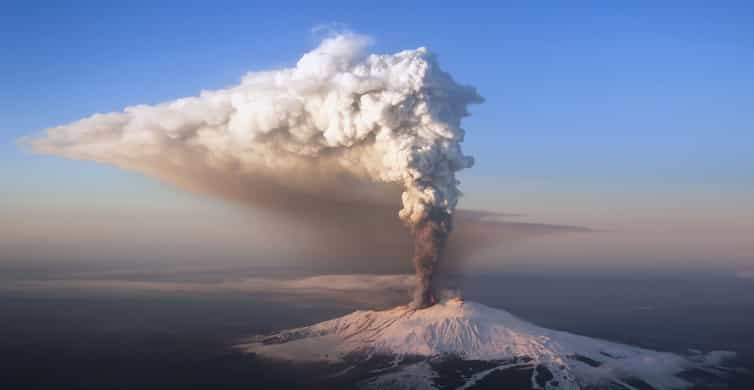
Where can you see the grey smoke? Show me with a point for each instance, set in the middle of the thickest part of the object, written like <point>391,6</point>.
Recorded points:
<point>430,238</point>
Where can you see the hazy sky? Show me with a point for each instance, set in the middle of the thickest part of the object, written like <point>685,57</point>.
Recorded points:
<point>634,121</point>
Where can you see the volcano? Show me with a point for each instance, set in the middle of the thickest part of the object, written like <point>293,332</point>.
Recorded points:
<point>461,344</point>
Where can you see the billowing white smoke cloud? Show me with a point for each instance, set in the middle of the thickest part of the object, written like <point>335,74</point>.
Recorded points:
<point>391,119</point>
<point>314,132</point>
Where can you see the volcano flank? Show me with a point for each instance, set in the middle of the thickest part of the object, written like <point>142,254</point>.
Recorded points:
<point>461,344</point>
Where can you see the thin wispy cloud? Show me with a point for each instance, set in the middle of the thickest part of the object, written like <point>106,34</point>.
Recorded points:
<point>363,288</point>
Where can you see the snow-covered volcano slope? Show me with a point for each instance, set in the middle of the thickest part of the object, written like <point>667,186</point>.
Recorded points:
<point>472,331</point>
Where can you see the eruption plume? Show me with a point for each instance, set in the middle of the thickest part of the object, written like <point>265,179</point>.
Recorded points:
<point>430,237</point>
<point>336,132</point>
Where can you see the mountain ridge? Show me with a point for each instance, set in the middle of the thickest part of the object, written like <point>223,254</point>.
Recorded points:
<point>470,331</point>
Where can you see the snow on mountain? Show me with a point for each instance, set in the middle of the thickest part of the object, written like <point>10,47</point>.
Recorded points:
<point>474,332</point>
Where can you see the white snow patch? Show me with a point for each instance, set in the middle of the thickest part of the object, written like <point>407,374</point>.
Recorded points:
<point>416,376</point>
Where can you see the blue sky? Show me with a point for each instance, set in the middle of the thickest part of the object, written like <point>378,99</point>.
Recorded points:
<point>592,111</point>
